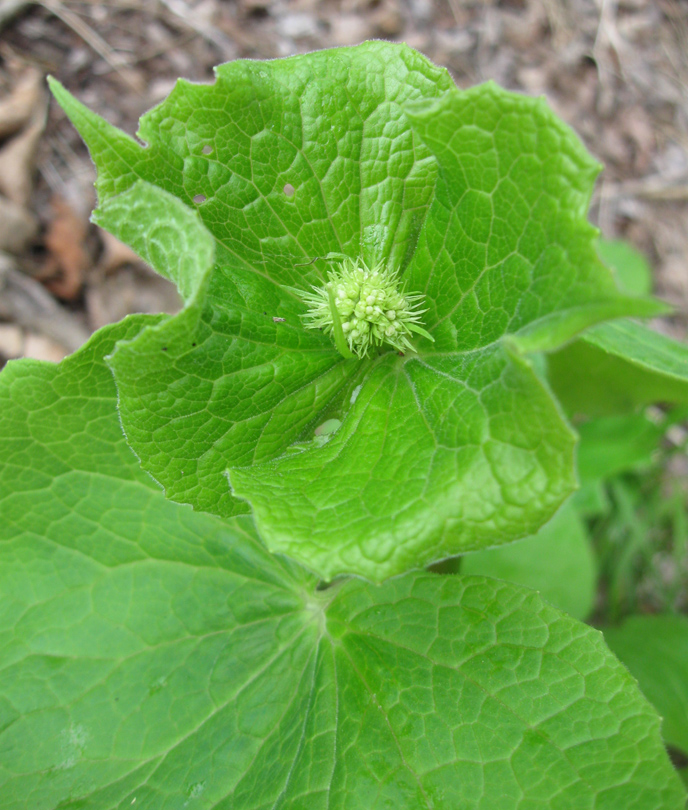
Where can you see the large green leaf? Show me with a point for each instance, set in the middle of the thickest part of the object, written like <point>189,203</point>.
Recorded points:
<point>217,385</point>
<point>655,649</point>
<point>558,562</point>
<point>610,445</point>
<point>478,198</point>
<point>157,657</point>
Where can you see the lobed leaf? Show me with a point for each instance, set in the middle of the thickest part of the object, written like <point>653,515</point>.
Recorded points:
<point>478,197</point>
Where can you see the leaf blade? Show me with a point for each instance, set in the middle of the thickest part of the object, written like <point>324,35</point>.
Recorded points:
<point>655,649</point>
<point>558,562</point>
<point>506,248</point>
<point>478,199</point>
<point>457,467</point>
<point>617,367</point>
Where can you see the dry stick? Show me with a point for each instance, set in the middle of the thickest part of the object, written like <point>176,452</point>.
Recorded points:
<point>89,36</point>
<point>26,302</point>
<point>456,11</point>
<point>10,8</point>
<point>651,188</point>
<point>164,47</point>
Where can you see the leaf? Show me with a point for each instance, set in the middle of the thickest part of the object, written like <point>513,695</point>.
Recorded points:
<point>592,500</point>
<point>156,656</point>
<point>478,198</point>
<point>507,248</point>
<point>617,367</point>
<point>558,562</point>
<point>616,444</point>
<point>632,272</point>
<point>457,467</point>
<point>655,649</point>
<point>609,446</point>
<point>183,380</point>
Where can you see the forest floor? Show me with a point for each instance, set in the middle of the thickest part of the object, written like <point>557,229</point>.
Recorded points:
<point>615,70</point>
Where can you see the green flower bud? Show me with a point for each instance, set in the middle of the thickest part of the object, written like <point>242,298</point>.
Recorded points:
<point>371,309</point>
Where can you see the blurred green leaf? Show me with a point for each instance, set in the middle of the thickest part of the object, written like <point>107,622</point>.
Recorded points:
<point>615,444</point>
<point>558,562</point>
<point>630,267</point>
<point>655,649</point>
<point>617,368</point>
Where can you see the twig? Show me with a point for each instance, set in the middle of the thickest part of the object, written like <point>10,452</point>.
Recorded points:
<point>651,188</point>
<point>115,60</point>
<point>10,8</point>
<point>456,11</point>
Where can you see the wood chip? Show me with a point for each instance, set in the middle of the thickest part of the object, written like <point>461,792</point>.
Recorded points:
<point>68,259</point>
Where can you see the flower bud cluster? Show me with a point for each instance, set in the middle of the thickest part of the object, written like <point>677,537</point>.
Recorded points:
<point>370,307</point>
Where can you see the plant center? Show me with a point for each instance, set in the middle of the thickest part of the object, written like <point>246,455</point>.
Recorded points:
<point>364,308</point>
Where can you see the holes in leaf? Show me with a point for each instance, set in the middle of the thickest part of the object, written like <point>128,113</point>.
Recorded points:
<point>199,198</point>
<point>288,190</point>
<point>207,150</point>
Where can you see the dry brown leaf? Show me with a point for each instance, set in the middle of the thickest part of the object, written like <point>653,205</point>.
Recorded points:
<point>25,301</point>
<point>10,9</point>
<point>637,127</point>
<point>17,159</point>
<point>17,108</point>
<point>68,259</point>
<point>388,19</point>
<point>128,289</point>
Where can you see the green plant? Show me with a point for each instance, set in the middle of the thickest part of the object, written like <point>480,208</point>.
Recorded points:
<point>279,645</point>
